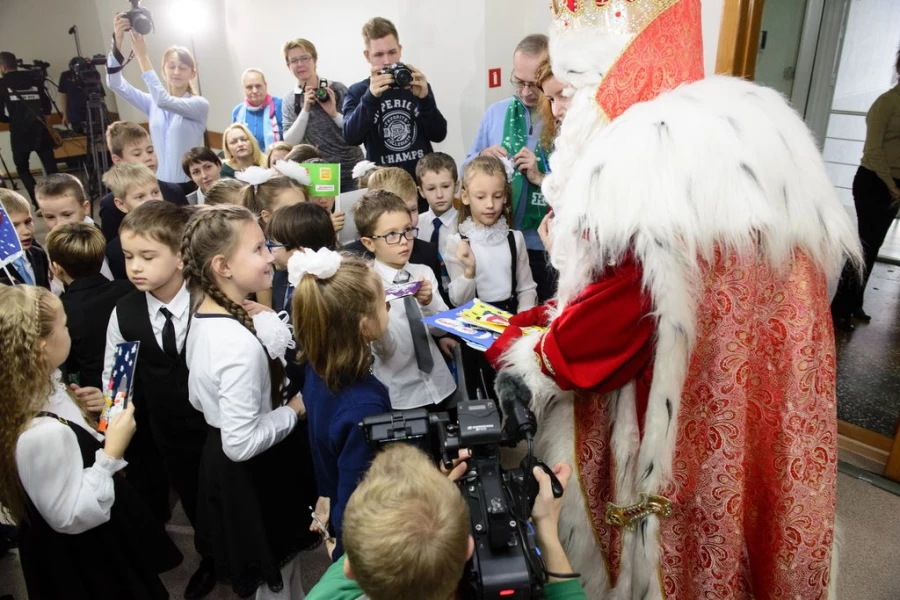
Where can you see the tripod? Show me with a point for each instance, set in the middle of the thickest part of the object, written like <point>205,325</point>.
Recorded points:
<point>5,176</point>
<point>97,120</point>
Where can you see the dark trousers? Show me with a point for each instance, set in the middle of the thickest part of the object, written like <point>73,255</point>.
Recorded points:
<point>183,467</point>
<point>21,160</point>
<point>875,212</point>
<point>545,276</point>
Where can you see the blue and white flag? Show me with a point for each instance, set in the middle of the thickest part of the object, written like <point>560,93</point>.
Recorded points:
<point>10,247</point>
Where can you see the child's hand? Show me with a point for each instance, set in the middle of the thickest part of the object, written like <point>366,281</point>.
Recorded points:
<point>465,255</point>
<point>425,294</point>
<point>337,219</point>
<point>254,308</point>
<point>119,433</point>
<point>323,509</point>
<point>447,344</point>
<point>90,398</point>
<point>296,405</point>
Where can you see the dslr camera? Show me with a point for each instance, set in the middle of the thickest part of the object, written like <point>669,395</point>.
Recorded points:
<point>140,18</point>
<point>506,562</point>
<point>403,77</point>
<point>321,92</point>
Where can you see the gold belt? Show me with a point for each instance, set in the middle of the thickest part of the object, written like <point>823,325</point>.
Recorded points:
<point>629,516</point>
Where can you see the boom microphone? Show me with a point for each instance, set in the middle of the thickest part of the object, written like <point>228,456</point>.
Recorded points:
<point>514,397</point>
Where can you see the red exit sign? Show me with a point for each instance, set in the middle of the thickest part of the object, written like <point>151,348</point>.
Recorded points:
<point>494,78</point>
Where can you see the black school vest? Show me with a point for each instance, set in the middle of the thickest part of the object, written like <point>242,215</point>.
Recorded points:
<point>115,560</point>
<point>161,382</point>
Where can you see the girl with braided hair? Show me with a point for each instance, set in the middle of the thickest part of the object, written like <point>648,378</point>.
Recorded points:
<point>250,500</point>
<point>59,478</point>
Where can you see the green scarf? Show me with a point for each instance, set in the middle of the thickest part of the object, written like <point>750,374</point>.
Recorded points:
<point>515,137</point>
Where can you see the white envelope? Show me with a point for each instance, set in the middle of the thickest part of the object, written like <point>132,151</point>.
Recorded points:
<point>347,203</point>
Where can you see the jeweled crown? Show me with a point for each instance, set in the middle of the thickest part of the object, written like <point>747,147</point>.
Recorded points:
<point>610,16</point>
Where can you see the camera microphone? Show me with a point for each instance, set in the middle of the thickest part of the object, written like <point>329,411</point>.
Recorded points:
<point>514,397</point>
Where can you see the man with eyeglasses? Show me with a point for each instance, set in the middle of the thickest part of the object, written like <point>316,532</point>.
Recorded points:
<point>511,130</point>
<point>312,114</point>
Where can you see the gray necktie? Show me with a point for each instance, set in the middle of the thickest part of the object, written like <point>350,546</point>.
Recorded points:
<point>416,327</point>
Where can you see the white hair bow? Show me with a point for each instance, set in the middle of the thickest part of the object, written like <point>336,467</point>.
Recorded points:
<point>362,167</point>
<point>275,333</point>
<point>321,264</point>
<point>255,176</point>
<point>289,168</point>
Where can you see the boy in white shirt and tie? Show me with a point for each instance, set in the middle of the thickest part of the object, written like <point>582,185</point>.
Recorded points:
<point>407,359</point>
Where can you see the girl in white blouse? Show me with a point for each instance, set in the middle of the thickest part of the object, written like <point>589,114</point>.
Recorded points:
<point>84,531</point>
<point>485,258</point>
<point>254,487</point>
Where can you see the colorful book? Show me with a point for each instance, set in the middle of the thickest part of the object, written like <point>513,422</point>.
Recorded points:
<point>478,323</point>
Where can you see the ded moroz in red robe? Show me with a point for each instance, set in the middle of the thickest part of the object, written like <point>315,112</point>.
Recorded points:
<point>688,370</point>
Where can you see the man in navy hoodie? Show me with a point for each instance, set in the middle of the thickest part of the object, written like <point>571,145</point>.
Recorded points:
<point>396,124</point>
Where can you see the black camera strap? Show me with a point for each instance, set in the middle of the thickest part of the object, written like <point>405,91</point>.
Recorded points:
<point>117,54</point>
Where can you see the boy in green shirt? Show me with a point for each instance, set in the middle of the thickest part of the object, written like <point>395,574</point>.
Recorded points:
<point>406,534</point>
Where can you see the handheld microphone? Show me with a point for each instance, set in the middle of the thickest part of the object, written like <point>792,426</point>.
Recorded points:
<point>514,397</point>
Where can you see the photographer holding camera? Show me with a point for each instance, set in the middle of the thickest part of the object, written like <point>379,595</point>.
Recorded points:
<point>394,111</point>
<point>312,111</point>
<point>24,104</point>
<point>407,534</point>
<point>177,114</point>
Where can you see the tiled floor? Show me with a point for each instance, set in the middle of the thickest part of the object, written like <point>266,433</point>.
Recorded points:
<point>868,386</point>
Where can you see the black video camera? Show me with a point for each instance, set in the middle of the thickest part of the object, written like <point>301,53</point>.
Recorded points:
<point>403,77</point>
<point>140,18</point>
<point>321,92</point>
<point>37,70</point>
<point>506,563</point>
<point>85,73</point>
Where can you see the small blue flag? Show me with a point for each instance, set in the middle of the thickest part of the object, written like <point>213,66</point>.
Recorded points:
<point>10,247</point>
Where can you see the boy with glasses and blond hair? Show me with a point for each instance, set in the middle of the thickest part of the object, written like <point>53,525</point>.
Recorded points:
<point>407,359</point>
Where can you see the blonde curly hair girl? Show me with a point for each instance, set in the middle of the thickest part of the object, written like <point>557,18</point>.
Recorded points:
<point>27,318</point>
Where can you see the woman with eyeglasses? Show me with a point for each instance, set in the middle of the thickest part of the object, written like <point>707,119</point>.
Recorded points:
<point>311,112</point>
<point>176,112</point>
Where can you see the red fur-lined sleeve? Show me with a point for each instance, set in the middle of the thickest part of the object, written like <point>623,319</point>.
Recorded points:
<point>604,338</point>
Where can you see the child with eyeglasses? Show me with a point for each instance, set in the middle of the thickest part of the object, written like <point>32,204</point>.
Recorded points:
<point>407,358</point>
